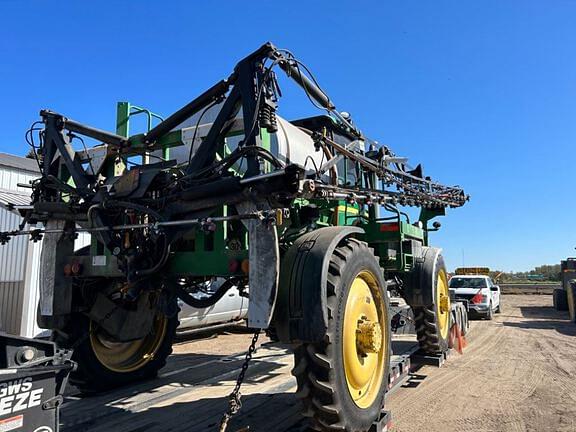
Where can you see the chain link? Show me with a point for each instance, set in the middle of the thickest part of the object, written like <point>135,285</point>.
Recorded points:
<point>234,400</point>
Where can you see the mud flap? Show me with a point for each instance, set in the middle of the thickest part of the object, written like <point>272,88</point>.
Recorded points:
<point>55,287</point>
<point>264,258</point>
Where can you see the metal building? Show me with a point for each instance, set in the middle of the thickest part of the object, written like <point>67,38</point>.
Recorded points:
<point>18,274</point>
<point>20,258</point>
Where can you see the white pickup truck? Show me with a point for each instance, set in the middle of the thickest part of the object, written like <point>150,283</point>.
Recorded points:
<point>482,294</point>
<point>230,309</point>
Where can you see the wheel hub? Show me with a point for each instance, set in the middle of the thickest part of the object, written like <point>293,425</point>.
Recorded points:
<point>123,357</point>
<point>368,336</point>
<point>444,303</point>
<point>363,336</point>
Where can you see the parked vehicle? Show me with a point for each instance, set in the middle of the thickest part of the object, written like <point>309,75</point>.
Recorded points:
<point>481,293</point>
<point>232,307</point>
<point>563,297</point>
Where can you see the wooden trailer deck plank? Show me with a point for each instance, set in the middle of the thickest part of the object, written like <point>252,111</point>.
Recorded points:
<point>192,395</point>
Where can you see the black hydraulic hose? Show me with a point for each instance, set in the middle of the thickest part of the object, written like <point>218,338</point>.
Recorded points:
<point>225,163</point>
<point>160,263</point>
<point>134,206</point>
<point>144,210</point>
<point>206,302</point>
<point>312,89</point>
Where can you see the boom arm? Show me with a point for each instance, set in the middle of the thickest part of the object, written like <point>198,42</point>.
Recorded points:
<point>142,215</point>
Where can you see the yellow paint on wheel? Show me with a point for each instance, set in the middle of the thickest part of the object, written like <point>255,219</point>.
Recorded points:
<point>364,336</point>
<point>124,357</point>
<point>443,304</point>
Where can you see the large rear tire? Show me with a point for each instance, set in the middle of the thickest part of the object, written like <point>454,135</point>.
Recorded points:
<point>104,364</point>
<point>433,322</point>
<point>571,300</point>
<point>560,299</point>
<point>342,380</point>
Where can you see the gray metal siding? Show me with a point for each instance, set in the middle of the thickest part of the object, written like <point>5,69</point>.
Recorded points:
<point>9,179</point>
<point>11,303</point>
<point>12,265</point>
<point>15,275</point>
<point>13,254</point>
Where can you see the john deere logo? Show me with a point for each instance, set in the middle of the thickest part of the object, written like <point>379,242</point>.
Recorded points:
<point>44,429</point>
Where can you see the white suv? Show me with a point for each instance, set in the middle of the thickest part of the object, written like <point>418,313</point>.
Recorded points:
<point>482,294</point>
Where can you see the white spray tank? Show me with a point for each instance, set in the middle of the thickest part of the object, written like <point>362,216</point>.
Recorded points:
<point>292,145</point>
<point>289,144</point>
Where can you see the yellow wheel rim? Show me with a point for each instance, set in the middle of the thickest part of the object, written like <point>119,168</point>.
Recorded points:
<point>443,303</point>
<point>364,335</point>
<point>126,357</point>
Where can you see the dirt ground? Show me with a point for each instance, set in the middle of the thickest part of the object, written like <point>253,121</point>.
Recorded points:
<point>518,374</point>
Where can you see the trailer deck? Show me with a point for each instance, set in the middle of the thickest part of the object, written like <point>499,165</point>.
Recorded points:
<point>191,394</point>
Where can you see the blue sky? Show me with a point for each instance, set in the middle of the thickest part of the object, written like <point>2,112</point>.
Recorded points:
<point>483,93</point>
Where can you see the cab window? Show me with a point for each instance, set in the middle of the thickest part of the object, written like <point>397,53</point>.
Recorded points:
<point>463,282</point>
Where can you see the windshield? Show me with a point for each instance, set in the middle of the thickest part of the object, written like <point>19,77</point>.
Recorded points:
<point>463,282</point>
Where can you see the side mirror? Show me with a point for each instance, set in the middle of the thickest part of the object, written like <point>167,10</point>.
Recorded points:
<point>435,226</point>
<point>495,288</point>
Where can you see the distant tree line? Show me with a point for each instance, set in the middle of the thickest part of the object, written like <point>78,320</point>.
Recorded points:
<point>547,273</point>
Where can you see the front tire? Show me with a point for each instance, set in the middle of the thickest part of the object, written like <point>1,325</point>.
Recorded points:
<point>433,322</point>
<point>465,322</point>
<point>342,380</point>
<point>490,313</point>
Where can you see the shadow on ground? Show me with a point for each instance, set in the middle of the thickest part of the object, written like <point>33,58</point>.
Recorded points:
<point>261,412</point>
<point>90,412</point>
<point>414,380</point>
<point>543,318</point>
<point>544,312</point>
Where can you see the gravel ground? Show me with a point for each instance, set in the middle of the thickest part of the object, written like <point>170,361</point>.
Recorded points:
<point>517,374</point>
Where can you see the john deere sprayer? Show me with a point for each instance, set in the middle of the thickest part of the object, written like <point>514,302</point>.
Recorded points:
<point>303,216</point>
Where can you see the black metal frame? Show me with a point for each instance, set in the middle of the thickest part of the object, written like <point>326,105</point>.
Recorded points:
<point>251,87</point>
<point>239,90</point>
